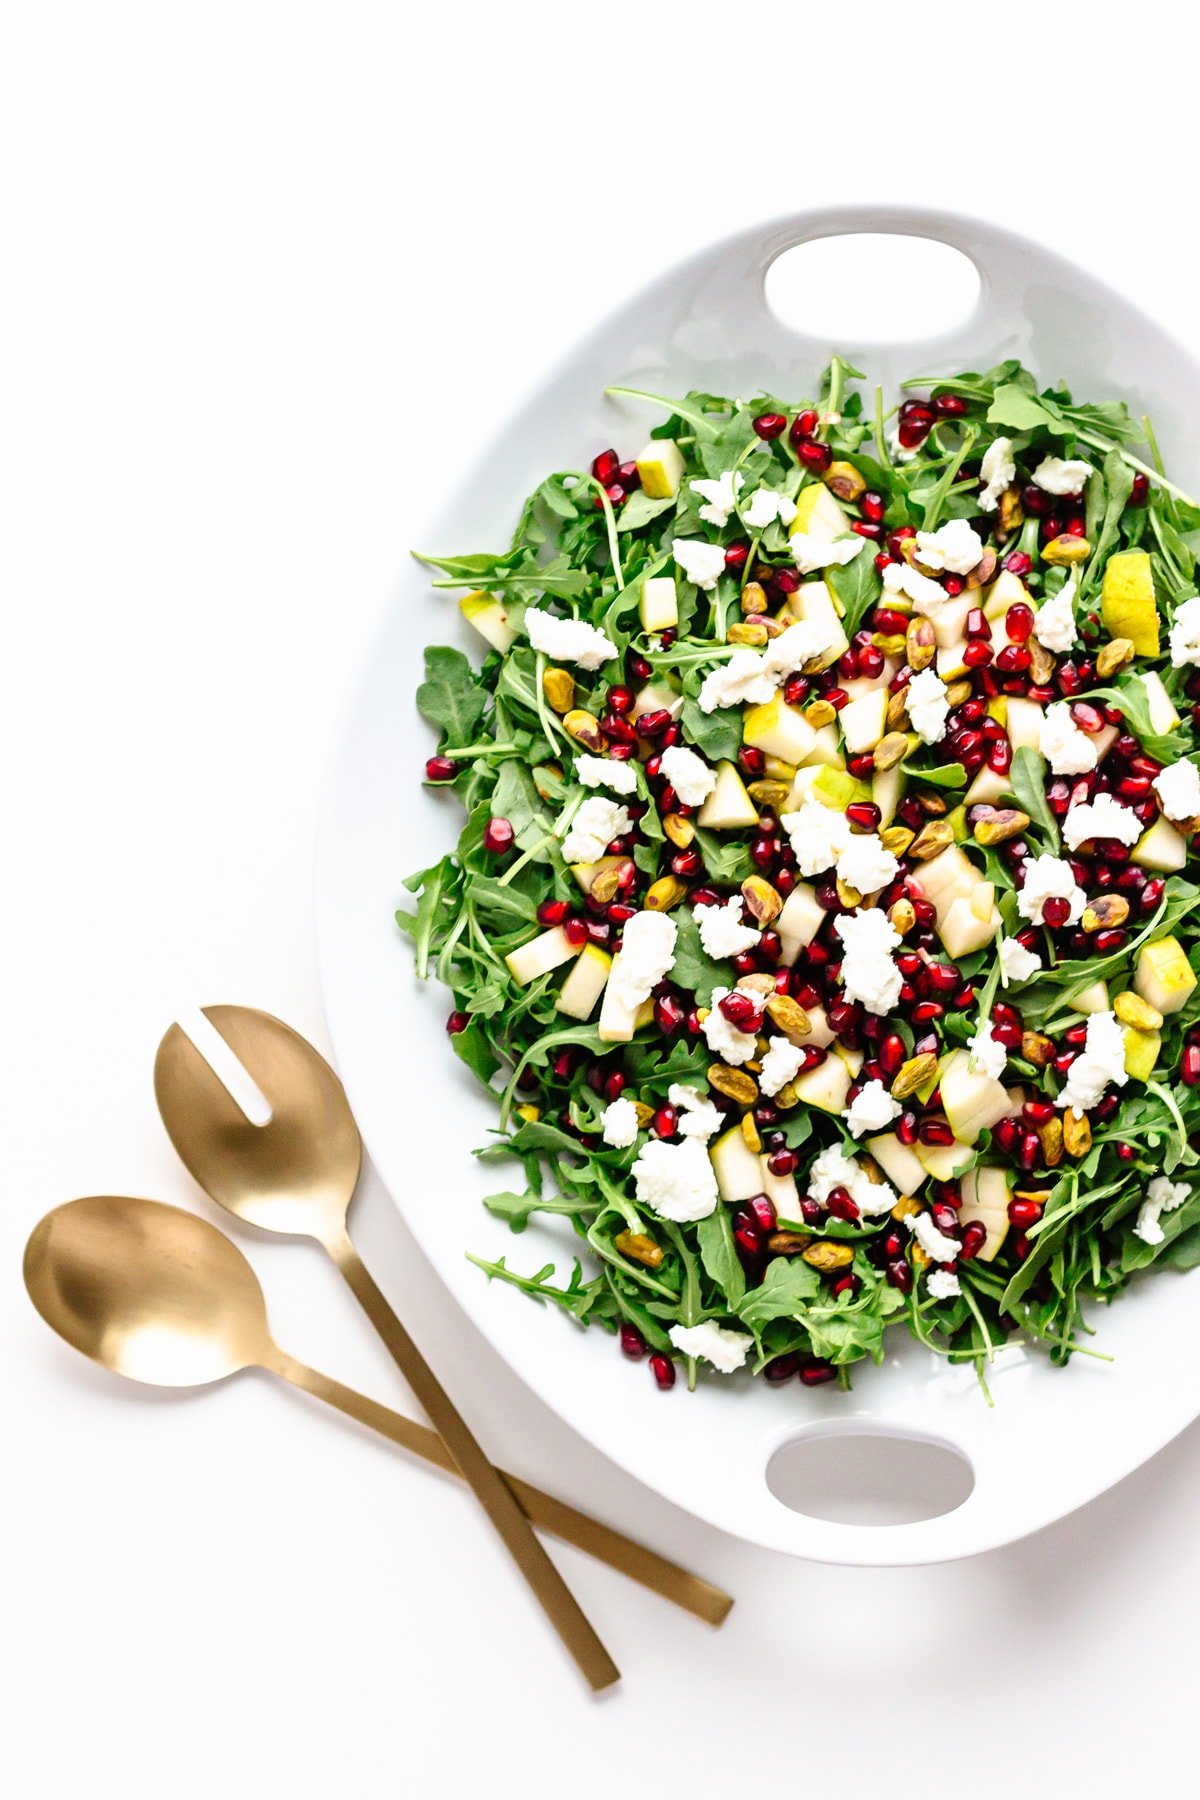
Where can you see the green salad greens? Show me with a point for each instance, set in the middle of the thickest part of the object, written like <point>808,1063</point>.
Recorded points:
<point>824,915</point>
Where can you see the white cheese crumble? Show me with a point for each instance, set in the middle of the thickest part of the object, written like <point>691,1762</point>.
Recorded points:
<point>1016,962</point>
<point>810,553</point>
<point>1185,633</point>
<point>568,640</point>
<point>998,471</point>
<point>866,865</point>
<point>1162,1195</point>
<point>781,1064</point>
<point>645,958</point>
<point>619,1125</point>
<point>688,774</point>
<point>798,644</point>
<point>928,707</point>
<point>1103,817</point>
<point>955,546</point>
<point>872,1109</point>
<point>698,1117</point>
<point>1068,750</point>
<point>832,1170</point>
<point>675,1181</point>
<point>726,1350</point>
<point>942,1284</point>
<point>593,828</point>
<point>1048,878</point>
<point>723,1037</point>
<point>868,973</point>
<point>933,1242</point>
<point>1101,1061</point>
<point>927,595</point>
<point>818,836</point>
<point>766,505</point>
<point>603,771</point>
<point>701,563</point>
<point>1054,621</point>
<point>1178,790</point>
<point>744,680</point>
<point>722,930</point>
<point>1054,476</point>
<point>720,496</point>
<point>985,1055</point>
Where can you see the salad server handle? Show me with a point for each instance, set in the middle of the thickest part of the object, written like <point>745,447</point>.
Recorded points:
<point>486,1482</point>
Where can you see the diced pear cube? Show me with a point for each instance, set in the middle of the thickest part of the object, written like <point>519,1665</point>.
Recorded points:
<point>799,922</point>
<point>657,696</point>
<point>736,1166</point>
<point>826,1086</point>
<point>972,1101</point>
<point>1128,607</point>
<point>985,1199</point>
<point>1164,977</point>
<point>729,807</point>
<point>819,514</point>
<point>1161,847</point>
<point>813,600</point>
<point>584,985</point>
<point>660,467</point>
<point>1141,1051</point>
<point>541,954</point>
<point>1092,999</point>
<point>489,617</point>
<point>779,729</point>
<point>1023,723</point>
<point>963,931</point>
<point>863,721</point>
<point>1163,717</point>
<point>902,1166</point>
<point>658,607</point>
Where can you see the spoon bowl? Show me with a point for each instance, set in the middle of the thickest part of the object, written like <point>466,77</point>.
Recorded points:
<point>146,1290</point>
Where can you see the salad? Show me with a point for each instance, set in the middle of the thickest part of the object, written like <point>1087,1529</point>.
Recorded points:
<point>824,914</point>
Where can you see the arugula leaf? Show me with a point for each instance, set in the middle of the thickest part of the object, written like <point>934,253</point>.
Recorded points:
<point>516,799</point>
<point>693,968</point>
<point>946,775</point>
<point>717,735</point>
<point>719,1256</point>
<point>1027,785</point>
<point>725,860</point>
<point>1020,410</point>
<point>786,1288</point>
<point>450,696</point>
<point>858,585</point>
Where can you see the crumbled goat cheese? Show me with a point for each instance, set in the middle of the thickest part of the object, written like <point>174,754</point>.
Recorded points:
<point>927,595</point>
<point>872,1109</point>
<point>928,707</point>
<point>985,1055</point>
<point>702,563</point>
<point>810,553</point>
<point>831,1169</point>
<point>1016,962</point>
<point>593,829</point>
<point>868,972</point>
<point>1054,476</point>
<point>818,836</point>
<point>1185,634</point>
<point>1101,1060</point>
<point>1054,621</point>
<point>865,864</point>
<point>798,644</point>
<point>1068,750</point>
<point>675,1181</point>
<point>933,1242</point>
<point>568,640</point>
<point>744,680</point>
<point>720,495</point>
<point>942,1284</point>
<point>619,1125</point>
<point>1102,817</point>
<point>644,959</point>
<point>603,771</point>
<point>688,774</point>
<point>722,930</point>
<point>781,1064</point>
<point>698,1117</point>
<point>726,1350</point>
<point>723,1037</point>
<point>954,546</point>
<point>1178,790</point>
<point>1047,878</point>
<point>997,471</point>
<point>1162,1195</point>
<point>766,505</point>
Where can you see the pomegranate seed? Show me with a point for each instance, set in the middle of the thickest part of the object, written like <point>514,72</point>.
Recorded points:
<point>1088,718</point>
<point>628,476</point>
<point>620,699</point>
<point>892,1054</point>
<point>927,1012</point>
<point>1152,893</point>
<point>576,933</point>
<point>458,1021</point>
<point>814,456</point>
<point>872,507</point>
<point>665,1122</point>
<point>1140,491</point>
<point>815,1374</point>
<point>552,912</point>
<point>973,1239</point>
<point>785,581</point>
<point>1189,1065</point>
<point>861,766</point>
<point>606,467</point>
<point>945,1218</point>
<point>769,426</point>
<point>1126,1152</point>
<point>669,1014</point>
<point>1056,911</point>
<point>935,1129</point>
<point>864,813</point>
<point>740,1009</point>
<point>906,1128</point>
<point>841,1206</point>
<point>943,978</point>
<point>899,1275</point>
<point>685,862</point>
<point>1038,1112</point>
<point>1030,1150</point>
<point>735,556</point>
<point>1007,1135</point>
<point>781,1368</point>
<point>498,837</point>
<point>1018,563</point>
<point>440,768</point>
<point>803,426</point>
<point>633,1344</point>
<point>765,1216</point>
<point>977,625</point>
<point>1024,1213</point>
<point>951,406</point>
<point>1014,659</point>
<point>845,1284</point>
<point>977,654</point>
<point>663,1370</point>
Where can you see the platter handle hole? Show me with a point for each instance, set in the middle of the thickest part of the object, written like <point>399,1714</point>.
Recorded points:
<point>856,1477</point>
<point>872,287</point>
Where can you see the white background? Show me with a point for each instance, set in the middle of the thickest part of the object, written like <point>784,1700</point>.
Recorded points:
<point>268,272</point>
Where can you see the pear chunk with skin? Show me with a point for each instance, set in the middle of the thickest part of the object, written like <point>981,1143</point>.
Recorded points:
<point>657,696</point>
<point>813,601</point>
<point>489,617</point>
<point>985,1200</point>
<point>826,1086</point>
<point>1163,977</point>
<point>1128,607</point>
<point>1163,717</point>
<point>819,514</point>
<point>799,922</point>
<point>658,607</point>
<point>1141,1051</point>
<point>827,748</point>
<point>541,954</point>
<point>736,1166</point>
<point>972,1101</point>
<point>584,985</point>
<point>863,721</point>
<point>779,730</point>
<point>729,807</point>
<point>901,1164</point>
<point>660,466</point>
<point>1092,999</point>
<point>965,928</point>
<point>1023,722</point>
<point>781,1191</point>
<point>1160,847</point>
<point>944,1161</point>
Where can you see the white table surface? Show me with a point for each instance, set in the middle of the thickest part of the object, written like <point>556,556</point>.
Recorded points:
<point>267,270</point>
